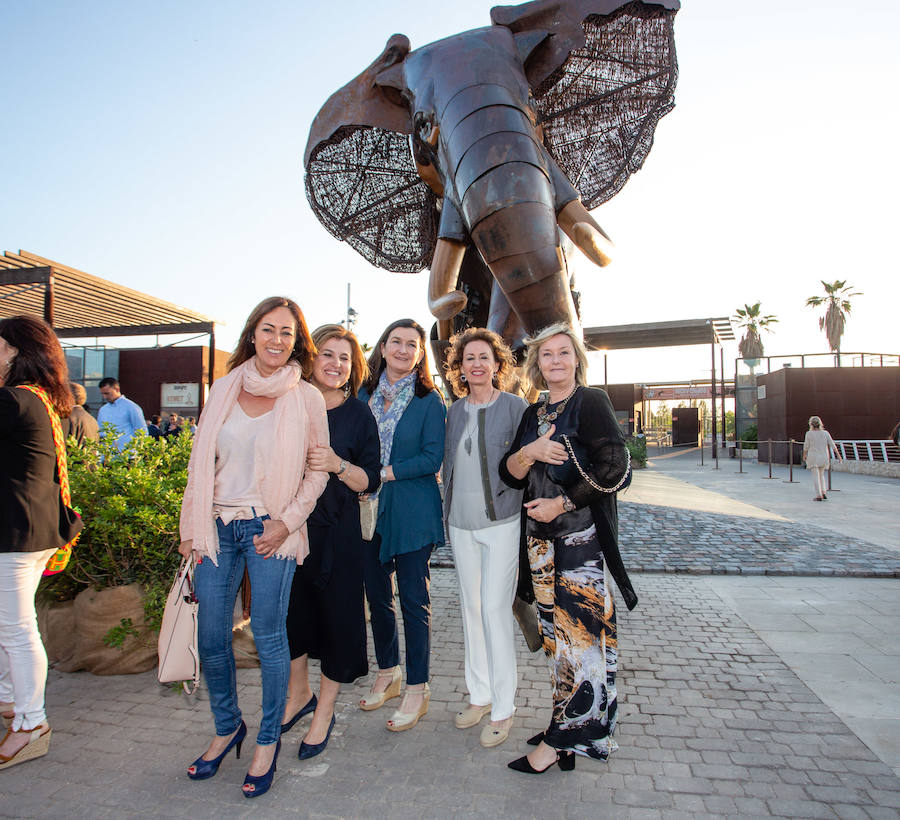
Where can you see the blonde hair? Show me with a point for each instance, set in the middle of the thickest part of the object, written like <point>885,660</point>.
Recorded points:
<point>501,352</point>
<point>815,423</point>
<point>359,370</point>
<point>533,346</point>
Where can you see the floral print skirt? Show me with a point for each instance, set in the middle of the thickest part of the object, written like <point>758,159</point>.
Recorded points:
<point>578,621</point>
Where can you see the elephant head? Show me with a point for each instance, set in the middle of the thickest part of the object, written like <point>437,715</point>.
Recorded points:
<point>494,139</point>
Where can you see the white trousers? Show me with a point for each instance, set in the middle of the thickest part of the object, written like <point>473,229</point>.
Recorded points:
<point>23,660</point>
<point>820,483</point>
<point>487,563</point>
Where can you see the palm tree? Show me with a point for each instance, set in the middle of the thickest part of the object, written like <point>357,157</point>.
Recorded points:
<point>750,318</point>
<point>838,300</point>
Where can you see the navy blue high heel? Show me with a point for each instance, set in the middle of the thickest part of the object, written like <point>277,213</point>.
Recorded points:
<point>262,783</point>
<point>312,749</point>
<point>202,769</point>
<point>310,707</point>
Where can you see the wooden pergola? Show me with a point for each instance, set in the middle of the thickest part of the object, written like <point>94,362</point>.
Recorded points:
<point>78,305</point>
<point>670,334</point>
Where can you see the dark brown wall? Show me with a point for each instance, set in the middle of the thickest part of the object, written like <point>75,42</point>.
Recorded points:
<point>142,371</point>
<point>853,403</point>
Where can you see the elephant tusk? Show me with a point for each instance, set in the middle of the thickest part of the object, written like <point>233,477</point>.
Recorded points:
<point>444,302</point>
<point>577,223</point>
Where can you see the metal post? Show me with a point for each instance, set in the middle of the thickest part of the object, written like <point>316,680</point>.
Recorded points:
<point>740,445</point>
<point>722,372</point>
<point>712,385</point>
<point>48,301</point>
<point>700,440</point>
<point>791,463</point>
<point>770,458</point>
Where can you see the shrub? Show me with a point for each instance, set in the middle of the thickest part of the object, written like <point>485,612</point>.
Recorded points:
<point>749,438</point>
<point>637,446</point>
<point>130,503</point>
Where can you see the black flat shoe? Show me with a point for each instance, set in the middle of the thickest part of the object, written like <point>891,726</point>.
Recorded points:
<point>310,707</point>
<point>566,762</point>
<point>537,739</point>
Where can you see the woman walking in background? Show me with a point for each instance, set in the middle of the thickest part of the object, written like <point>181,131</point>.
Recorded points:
<point>818,445</point>
<point>569,456</point>
<point>326,619</point>
<point>410,415</point>
<point>32,467</point>
<point>248,496</point>
<point>484,520</point>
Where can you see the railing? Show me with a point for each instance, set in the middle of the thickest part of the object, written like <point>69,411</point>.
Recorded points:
<point>868,450</point>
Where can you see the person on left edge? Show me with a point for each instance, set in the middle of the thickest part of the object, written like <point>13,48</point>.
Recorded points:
<point>31,527</point>
<point>123,414</point>
<point>248,496</point>
<point>410,414</point>
<point>326,617</point>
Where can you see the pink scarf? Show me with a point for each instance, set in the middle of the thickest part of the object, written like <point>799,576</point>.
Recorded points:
<point>289,491</point>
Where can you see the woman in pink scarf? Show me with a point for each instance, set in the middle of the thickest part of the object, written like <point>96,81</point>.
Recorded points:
<point>248,496</point>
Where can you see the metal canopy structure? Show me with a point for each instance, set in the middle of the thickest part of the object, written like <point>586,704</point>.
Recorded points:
<point>669,334</point>
<point>77,304</point>
<point>659,334</point>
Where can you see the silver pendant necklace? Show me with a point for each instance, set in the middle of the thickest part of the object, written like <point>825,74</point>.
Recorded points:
<point>545,419</point>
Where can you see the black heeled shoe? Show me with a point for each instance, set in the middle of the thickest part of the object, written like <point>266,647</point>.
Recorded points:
<point>537,739</point>
<point>261,783</point>
<point>204,769</point>
<point>310,707</point>
<point>566,761</point>
<point>308,750</point>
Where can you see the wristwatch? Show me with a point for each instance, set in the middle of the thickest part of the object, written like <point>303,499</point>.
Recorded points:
<point>342,468</point>
<point>568,504</point>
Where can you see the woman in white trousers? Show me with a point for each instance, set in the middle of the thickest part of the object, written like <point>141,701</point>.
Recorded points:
<point>818,447</point>
<point>483,520</point>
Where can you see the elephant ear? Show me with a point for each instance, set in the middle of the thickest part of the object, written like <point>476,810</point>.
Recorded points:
<point>602,78</point>
<point>363,187</point>
<point>361,181</point>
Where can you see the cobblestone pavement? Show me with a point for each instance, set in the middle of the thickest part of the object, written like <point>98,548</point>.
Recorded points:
<point>670,539</point>
<point>712,724</point>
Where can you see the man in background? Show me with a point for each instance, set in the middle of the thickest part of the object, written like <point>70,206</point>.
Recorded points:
<point>126,416</point>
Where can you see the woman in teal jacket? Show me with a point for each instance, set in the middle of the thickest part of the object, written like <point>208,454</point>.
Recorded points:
<point>410,414</point>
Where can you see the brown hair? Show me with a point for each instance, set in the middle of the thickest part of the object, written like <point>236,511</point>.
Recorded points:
<point>501,352</point>
<point>424,383</point>
<point>359,370</point>
<point>304,350</point>
<point>533,344</point>
<point>40,359</point>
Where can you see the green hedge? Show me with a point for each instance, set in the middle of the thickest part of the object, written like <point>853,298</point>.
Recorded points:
<point>130,503</point>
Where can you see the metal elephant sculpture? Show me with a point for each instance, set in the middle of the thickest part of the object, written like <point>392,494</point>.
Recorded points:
<point>469,154</point>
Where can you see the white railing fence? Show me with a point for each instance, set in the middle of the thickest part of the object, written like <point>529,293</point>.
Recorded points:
<point>869,450</point>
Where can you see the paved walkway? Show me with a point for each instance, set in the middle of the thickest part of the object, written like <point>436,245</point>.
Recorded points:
<point>741,696</point>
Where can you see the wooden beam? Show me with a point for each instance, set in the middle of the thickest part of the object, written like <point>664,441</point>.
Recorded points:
<point>25,276</point>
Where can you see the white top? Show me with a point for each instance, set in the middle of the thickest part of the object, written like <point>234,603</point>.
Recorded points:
<point>236,484</point>
<point>818,447</point>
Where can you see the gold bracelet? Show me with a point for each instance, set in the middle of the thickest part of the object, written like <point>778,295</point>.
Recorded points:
<point>524,462</point>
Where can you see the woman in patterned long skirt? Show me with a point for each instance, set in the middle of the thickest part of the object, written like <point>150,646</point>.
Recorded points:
<point>569,455</point>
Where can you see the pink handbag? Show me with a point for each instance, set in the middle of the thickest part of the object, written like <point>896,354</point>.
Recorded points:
<point>179,661</point>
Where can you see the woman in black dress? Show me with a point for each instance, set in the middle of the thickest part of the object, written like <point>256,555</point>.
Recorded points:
<point>569,455</point>
<point>325,618</point>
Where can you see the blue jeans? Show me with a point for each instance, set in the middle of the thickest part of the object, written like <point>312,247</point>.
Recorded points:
<point>216,588</point>
<point>413,584</point>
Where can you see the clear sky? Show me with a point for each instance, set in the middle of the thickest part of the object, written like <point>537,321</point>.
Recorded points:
<point>160,145</point>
